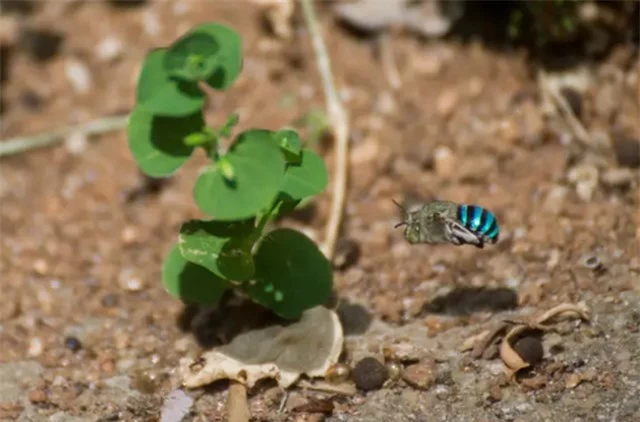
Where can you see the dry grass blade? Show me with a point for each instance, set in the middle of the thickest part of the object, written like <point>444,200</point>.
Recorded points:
<point>340,123</point>
<point>95,127</point>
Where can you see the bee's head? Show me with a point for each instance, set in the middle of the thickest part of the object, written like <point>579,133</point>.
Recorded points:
<point>411,223</point>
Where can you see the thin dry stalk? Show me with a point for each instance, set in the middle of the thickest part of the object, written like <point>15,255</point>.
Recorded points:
<point>340,123</point>
<point>237,406</point>
<point>96,127</point>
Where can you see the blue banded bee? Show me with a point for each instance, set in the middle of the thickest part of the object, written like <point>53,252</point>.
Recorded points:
<point>448,222</point>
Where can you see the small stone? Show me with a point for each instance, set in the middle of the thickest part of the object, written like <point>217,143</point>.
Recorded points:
<point>129,235</point>
<point>369,374</point>
<point>421,375</point>
<point>447,102</point>
<point>151,24</point>
<point>128,280</point>
<point>495,393</point>
<point>109,49</point>
<point>40,266</point>
<point>72,343</point>
<point>337,373</point>
<point>37,396</point>
<point>78,75</point>
<point>585,179</point>
<point>35,347</point>
<point>529,348</point>
<point>618,178</point>
<point>572,380</point>
<point>627,151</point>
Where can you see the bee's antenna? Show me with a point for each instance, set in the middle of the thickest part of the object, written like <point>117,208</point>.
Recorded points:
<point>399,206</point>
<point>404,212</point>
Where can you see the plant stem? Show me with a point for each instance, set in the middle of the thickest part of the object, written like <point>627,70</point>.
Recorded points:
<point>340,122</point>
<point>25,143</point>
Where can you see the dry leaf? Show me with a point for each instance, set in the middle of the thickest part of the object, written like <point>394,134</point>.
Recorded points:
<point>309,346</point>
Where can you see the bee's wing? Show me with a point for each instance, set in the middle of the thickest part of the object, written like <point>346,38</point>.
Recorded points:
<point>460,235</point>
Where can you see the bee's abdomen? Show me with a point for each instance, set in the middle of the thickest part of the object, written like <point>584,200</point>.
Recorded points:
<point>480,221</point>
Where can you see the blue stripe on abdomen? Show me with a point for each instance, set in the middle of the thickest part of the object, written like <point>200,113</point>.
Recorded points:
<point>489,219</point>
<point>493,232</point>
<point>462,214</point>
<point>477,216</point>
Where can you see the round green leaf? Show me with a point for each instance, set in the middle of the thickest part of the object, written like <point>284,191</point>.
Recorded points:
<point>162,95</point>
<point>228,57</point>
<point>157,143</point>
<point>307,178</point>
<point>191,282</point>
<point>219,246</point>
<point>192,57</point>
<point>292,274</point>
<point>258,172</point>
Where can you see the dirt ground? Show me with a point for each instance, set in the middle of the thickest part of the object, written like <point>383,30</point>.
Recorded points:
<point>87,332</point>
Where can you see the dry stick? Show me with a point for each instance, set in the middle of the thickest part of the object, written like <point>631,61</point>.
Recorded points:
<point>237,406</point>
<point>95,127</point>
<point>340,123</point>
<point>559,101</point>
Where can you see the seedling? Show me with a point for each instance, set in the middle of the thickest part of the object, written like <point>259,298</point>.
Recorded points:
<point>262,175</point>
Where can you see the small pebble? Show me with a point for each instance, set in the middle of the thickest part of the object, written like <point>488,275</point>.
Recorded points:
<point>618,177</point>
<point>37,396</point>
<point>421,375</point>
<point>40,266</point>
<point>447,103</point>
<point>78,75</point>
<point>529,348</point>
<point>72,344</point>
<point>109,49</point>
<point>129,281</point>
<point>369,374</point>
<point>35,347</point>
<point>337,373</point>
<point>129,235</point>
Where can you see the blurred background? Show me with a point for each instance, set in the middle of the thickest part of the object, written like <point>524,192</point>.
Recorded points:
<point>530,109</point>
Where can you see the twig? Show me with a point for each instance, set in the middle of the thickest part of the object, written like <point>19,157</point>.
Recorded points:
<point>95,127</point>
<point>237,406</point>
<point>388,61</point>
<point>561,103</point>
<point>340,123</point>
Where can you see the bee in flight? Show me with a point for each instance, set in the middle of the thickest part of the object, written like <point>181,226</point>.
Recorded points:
<point>448,222</point>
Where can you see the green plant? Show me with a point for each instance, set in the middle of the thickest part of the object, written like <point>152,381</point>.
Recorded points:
<point>262,175</point>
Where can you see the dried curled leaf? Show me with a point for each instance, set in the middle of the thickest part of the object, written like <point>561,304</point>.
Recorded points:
<point>512,360</point>
<point>563,309</point>
<point>309,346</point>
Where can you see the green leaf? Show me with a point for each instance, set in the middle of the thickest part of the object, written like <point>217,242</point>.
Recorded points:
<point>157,143</point>
<point>258,173</point>
<point>308,178</point>
<point>191,282</point>
<point>162,95</point>
<point>228,57</point>
<point>192,57</point>
<point>223,248</point>
<point>290,143</point>
<point>292,274</point>
<point>232,121</point>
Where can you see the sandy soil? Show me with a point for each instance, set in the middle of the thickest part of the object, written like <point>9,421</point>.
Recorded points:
<point>87,333</point>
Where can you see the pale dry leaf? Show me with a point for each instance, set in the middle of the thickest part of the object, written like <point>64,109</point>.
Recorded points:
<point>309,346</point>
